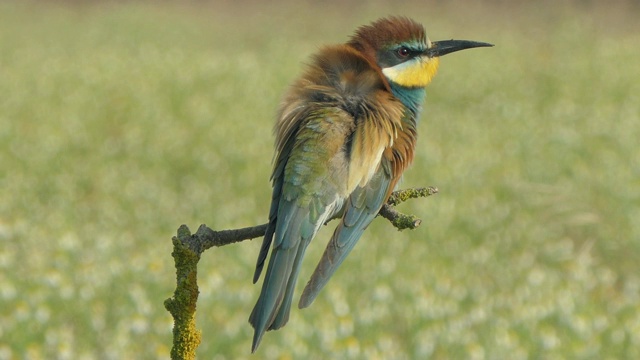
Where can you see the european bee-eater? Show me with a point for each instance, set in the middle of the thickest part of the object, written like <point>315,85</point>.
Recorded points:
<point>345,133</point>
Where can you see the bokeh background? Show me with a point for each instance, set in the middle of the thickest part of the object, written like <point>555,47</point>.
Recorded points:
<point>121,120</point>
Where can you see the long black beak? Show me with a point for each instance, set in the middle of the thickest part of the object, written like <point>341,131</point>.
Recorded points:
<point>444,47</point>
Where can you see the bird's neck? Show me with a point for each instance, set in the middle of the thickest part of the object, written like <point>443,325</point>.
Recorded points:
<point>412,98</point>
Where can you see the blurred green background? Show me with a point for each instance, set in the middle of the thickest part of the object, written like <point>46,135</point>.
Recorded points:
<point>119,121</point>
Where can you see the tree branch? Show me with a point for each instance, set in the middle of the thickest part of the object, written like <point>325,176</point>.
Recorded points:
<point>188,247</point>
<point>399,220</point>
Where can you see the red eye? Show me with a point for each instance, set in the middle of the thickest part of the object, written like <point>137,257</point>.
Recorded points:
<point>403,52</point>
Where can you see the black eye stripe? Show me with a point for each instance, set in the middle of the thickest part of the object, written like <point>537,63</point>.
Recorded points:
<point>405,52</point>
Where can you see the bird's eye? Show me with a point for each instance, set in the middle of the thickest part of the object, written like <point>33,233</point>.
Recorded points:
<point>403,52</point>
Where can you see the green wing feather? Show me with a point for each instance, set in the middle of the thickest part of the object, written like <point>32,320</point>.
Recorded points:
<point>361,208</point>
<point>306,193</point>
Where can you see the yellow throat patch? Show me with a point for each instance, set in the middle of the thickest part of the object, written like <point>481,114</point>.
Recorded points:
<point>414,73</point>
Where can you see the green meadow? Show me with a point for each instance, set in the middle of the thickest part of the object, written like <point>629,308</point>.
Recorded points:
<point>120,121</point>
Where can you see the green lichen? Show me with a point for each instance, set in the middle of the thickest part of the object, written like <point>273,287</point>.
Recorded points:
<point>182,306</point>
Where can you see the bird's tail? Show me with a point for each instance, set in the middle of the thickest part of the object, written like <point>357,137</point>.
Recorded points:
<point>271,312</point>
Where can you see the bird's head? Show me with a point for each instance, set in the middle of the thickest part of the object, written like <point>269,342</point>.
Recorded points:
<point>401,49</point>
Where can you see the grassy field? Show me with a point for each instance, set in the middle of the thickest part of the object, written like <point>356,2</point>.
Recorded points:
<point>121,121</point>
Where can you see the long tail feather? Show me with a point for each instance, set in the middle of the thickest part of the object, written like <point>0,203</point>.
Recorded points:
<point>291,238</point>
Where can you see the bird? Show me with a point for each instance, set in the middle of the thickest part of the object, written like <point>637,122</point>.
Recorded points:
<point>345,132</point>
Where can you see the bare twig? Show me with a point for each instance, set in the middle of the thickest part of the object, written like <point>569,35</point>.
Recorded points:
<point>188,247</point>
